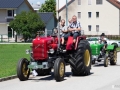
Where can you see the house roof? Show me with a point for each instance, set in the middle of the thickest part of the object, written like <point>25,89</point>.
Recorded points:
<point>65,5</point>
<point>116,3</point>
<point>46,16</point>
<point>13,3</point>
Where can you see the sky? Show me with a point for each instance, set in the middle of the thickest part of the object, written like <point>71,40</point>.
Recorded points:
<point>61,2</point>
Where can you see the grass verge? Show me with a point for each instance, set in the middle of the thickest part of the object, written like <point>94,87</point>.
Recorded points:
<point>9,56</point>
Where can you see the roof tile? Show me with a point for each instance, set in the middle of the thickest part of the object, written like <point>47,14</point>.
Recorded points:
<point>10,3</point>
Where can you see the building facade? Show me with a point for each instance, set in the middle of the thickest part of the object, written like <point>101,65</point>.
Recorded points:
<point>95,16</point>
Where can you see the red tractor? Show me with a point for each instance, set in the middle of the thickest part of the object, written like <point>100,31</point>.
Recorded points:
<point>46,55</point>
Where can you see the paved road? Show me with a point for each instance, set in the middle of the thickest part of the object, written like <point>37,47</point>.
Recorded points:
<point>101,78</point>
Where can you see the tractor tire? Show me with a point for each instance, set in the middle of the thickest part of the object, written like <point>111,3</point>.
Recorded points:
<point>83,59</point>
<point>23,71</point>
<point>113,59</point>
<point>59,69</point>
<point>115,44</point>
<point>106,61</point>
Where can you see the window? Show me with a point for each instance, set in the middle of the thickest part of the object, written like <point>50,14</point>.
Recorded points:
<point>89,2</point>
<point>10,12</point>
<point>79,15</point>
<point>99,1</point>
<point>89,27</point>
<point>79,2</point>
<point>89,14</point>
<point>97,14</point>
<point>97,28</point>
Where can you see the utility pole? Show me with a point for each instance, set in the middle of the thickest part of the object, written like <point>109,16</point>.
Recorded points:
<point>66,13</point>
<point>58,27</point>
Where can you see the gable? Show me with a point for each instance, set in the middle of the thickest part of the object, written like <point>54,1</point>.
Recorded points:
<point>14,4</point>
<point>116,3</point>
<point>46,16</point>
<point>70,2</point>
<point>10,3</point>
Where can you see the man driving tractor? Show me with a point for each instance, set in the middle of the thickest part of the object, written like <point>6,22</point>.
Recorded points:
<point>103,41</point>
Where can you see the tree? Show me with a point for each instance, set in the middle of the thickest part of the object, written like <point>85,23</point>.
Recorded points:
<point>49,6</point>
<point>27,24</point>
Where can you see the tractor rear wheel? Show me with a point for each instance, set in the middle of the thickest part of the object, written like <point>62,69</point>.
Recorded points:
<point>83,59</point>
<point>106,61</point>
<point>113,59</point>
<point>23,71</point>
<point>59,69</point>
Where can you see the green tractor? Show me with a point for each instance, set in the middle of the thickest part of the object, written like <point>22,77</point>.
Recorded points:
<point>109,54</point>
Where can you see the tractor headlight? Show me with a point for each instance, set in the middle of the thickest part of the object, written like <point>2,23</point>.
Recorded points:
<point>27,51</point>
<point>51,51</point>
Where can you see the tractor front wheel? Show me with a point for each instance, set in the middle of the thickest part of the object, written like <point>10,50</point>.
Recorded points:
<point>106,61</point>
<point>59,69</point>
<point>23,71</point>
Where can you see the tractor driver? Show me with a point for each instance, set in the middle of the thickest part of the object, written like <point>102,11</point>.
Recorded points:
<point>103,40</point>
<point>74,28</point>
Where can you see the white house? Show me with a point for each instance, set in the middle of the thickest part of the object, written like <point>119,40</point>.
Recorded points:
<point>95,16</point>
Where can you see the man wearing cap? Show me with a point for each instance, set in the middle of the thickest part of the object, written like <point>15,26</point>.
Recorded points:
<point>103,41</point>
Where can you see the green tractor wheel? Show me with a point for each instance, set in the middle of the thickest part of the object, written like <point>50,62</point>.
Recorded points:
<point>113,59</point>
<point>106,61</point>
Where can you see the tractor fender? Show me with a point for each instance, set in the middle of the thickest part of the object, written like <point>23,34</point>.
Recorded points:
<point>110,47</point>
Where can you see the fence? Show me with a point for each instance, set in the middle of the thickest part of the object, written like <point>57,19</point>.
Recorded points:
<point>4,38</point>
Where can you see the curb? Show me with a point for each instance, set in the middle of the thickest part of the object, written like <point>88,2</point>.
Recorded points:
<point>118,50</point>
<point>8,78</point>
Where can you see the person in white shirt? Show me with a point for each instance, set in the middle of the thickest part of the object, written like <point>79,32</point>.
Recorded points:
<point>63,30</point>
<point>74,28</point>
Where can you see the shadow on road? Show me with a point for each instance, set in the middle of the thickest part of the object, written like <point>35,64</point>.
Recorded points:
<point>102,65</point>
<point>98,65</point>
<point>51,76</point>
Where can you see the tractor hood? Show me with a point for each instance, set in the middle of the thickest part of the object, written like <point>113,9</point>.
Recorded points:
<point>40,47</point>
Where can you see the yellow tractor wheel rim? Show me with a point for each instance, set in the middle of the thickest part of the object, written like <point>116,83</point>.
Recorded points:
<point>115,56</point>
<point>24,71</point>
<point>61,70</point>
<point>87,57</point>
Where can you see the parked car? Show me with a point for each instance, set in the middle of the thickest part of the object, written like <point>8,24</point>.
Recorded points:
<point>96,39</point>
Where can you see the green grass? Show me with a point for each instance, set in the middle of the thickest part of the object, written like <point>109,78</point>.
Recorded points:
<point>9,56</point>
